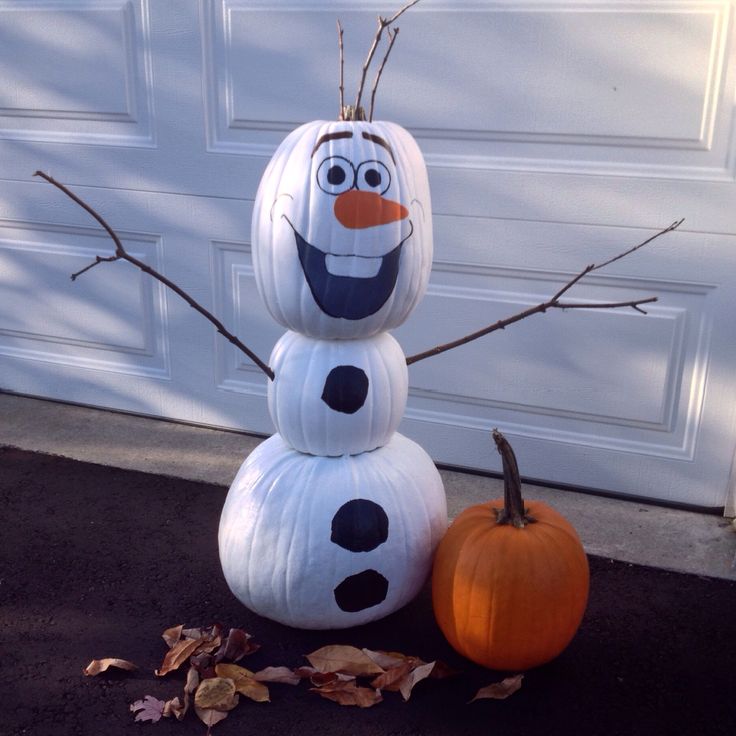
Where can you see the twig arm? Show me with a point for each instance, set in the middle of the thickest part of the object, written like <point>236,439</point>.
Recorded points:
<point>392,38</point>
<point>553,303</point>
<point>341,88</point>
<point>122,254</point>
<point>382,24</point>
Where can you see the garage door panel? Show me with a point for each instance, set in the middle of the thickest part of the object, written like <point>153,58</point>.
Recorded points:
<point>241,309</point>
<point>557,134</point>
<point>114,322</point>
<point>618,376</point>
<point>101,94</point>
<point>610,89</point>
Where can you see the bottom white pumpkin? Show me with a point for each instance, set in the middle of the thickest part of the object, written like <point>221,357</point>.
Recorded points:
<point>330,542</point>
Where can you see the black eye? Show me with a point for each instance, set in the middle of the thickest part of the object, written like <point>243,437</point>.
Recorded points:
<point>373,176</point>
<point>335,175</point>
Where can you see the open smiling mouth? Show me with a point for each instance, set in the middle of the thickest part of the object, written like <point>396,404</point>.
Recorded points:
<point>348,297</point>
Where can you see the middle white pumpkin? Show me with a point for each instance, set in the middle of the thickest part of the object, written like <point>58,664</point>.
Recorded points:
<point>337,397</point>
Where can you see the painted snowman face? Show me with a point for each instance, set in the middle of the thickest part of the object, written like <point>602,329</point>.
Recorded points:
<point>342,237</point>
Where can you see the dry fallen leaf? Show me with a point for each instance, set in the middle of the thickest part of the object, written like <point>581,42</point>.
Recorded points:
<point>100,665</point>
<point>346,659</point>
<point>244,682</point>
<point>217,693</point>
<point>172,635</point>
<point>416,675</point>
<point>209,645</point>
<point>348,693</point>
<point>320,679</point>
<point>386,660</point>
<point>237,645</point>
<point>500,690</point>
<point>177,708</point>
<point>148,709</point>
<point>204,663</point>
<point>210,717</point>
<point>442,671</point>
<point>392,678</point>
<point>202,632</point>
<point>277,674</point>
<point>178,654</point>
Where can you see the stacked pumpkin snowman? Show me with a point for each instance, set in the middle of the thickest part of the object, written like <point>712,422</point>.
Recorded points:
<point>333,521</point>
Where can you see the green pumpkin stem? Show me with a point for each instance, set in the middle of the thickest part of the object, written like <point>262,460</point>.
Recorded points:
<point>513,511</point>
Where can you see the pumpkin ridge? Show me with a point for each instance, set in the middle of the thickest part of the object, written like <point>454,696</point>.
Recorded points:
<point>292,568</point>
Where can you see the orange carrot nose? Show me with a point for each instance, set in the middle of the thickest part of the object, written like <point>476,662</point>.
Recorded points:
<point>356,209</point>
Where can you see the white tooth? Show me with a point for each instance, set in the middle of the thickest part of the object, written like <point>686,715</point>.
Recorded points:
<point>358,267</point>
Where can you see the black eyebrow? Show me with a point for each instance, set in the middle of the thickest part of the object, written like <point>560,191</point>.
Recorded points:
<point>380,141</point>
<point>331,136</point>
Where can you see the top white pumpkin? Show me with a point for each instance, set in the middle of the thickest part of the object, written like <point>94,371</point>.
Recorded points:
<point>342,229</point>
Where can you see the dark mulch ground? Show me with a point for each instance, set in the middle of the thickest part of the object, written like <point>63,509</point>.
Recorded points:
<point>97,562</point>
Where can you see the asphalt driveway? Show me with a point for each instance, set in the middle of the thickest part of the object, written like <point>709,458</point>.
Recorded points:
<point>97,562</point>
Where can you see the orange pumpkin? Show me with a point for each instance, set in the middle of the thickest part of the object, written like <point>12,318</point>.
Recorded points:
<point>510,583</point>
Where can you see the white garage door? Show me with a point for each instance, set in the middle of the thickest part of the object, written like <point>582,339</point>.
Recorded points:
<point>556,134</point>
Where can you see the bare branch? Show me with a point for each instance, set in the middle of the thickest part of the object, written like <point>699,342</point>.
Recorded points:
<point>122,254</point>
<point>342,70</point>
<point>668,229</point>
<point>382,24</point>
<point>392,38</point>
<point>119,250</point>
<point>98,259</point>
<point>634,304</point>
<point>553,303</point>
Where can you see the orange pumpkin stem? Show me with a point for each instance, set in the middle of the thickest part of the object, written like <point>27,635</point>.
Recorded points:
<point>513,511</point>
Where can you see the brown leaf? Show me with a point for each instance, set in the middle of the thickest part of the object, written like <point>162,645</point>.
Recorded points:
<point>237,645</point>
<point>500,690</point>
<point>386,660</point>
<point>442,670</point>
<point>204,664</point>
<point>348,693</point>
<point>148,709</point>
<point>320,679</point>
<point>178,654</point>
<point>172,635</point>
<point>100,665</point>
<point>209,716</point>
<point>244,682</point>
<point>192,682</point>
<point>392,679</point>
<point>277,674</point>
<point>346,659</point>
<point>216,692</point>
<point>178,708</point>
<point>305,672</point>
<point>208,645</point>
<point>416,675</point>
<point>203,632</point>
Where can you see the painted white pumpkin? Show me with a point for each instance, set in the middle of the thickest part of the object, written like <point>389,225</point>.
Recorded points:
<point>331,542</point>
<point>337,397</point>
<point>342,229</point>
